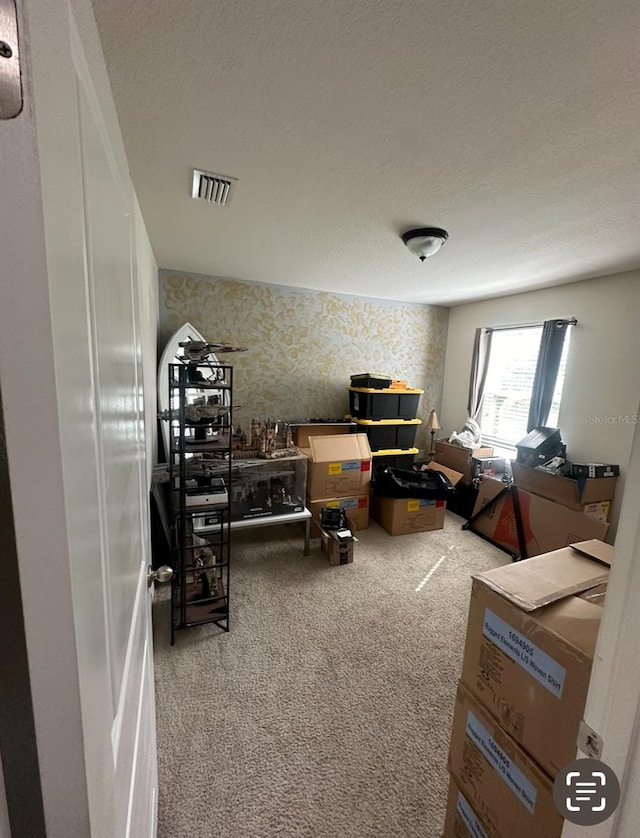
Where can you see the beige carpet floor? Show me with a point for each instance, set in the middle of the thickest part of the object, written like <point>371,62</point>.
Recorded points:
<point>325,712</point>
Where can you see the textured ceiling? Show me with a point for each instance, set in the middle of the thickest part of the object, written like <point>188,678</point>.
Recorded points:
<point>511,123</point>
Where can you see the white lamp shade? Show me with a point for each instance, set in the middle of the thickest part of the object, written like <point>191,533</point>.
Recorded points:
<point>433,423</point>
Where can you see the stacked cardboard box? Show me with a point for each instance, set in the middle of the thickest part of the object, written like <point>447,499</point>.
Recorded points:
<point>303,431</point>
<point>401,516</point>
<point>590,495</point>
<point>531,637</point>
<point>339,474</point>
<point>337,546</point>
<point>461,459</point>
<point>356,507</point>
<point>546,525</point>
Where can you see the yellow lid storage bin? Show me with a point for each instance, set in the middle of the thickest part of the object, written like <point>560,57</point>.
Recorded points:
<point>367,403</point>
<point>395,457</point>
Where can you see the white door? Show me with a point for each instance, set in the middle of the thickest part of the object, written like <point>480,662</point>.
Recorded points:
<point>77,346</point>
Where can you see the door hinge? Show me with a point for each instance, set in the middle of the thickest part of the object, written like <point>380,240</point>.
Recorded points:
<point>589,742</point>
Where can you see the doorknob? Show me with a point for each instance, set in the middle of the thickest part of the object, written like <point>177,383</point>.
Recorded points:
<point>162,574</point>
<point>10,79</point>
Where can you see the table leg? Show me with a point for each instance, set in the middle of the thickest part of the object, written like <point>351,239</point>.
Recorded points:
<point>307,535</point>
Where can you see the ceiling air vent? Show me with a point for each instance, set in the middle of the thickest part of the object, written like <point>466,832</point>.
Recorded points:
<point>215,189</point>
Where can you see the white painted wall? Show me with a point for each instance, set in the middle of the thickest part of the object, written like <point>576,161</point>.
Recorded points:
<point>603,368</point>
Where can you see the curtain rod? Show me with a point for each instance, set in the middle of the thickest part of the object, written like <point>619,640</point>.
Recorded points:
<point>569,321</point>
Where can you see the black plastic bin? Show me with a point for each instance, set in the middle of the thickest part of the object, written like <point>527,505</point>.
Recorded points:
<point>396,458</point>
<point>366,403</point>
<point>389,433</point>
<point>369,379</point>
<point>539,445</point>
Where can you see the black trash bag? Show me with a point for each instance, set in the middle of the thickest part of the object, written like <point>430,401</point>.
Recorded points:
<point>391,482</point>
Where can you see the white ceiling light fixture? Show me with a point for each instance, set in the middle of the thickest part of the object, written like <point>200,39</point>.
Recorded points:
<point>425,241</point>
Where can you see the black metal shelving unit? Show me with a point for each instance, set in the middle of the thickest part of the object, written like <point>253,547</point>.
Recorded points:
<point>200,399</point>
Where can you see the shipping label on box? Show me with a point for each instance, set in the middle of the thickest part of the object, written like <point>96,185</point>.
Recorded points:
<point>532,660</point>
<point>502,784</point>
<point>348,503</point>
<point>516,779</point>
<point>339,468</point>
<point>415,504</point>
<point>460,820</point>
<point>599,510</point>
<point>530,666</point>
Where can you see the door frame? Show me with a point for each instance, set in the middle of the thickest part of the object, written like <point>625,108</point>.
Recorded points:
<point>613,702</point>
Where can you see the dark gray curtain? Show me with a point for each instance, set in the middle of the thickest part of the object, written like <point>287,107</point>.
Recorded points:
<point>479,366</point>
<point>544,383</point>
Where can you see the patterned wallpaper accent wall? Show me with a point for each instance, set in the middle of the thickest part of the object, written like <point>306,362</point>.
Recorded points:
<point>303,345</point>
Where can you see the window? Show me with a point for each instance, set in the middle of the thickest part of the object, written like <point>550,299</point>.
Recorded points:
<point>507,394</point>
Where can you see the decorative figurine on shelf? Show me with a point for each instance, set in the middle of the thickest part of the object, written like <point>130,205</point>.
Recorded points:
<point>204,555</point>
<point>267,439</point>
<point>270,437</point>
<point>197,351</point>
<point>205,588</point>
<point>256,429</point>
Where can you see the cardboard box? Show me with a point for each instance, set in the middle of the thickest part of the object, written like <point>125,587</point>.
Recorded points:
<point>339,552</point>
<point>339,466</point>
<point>357,509</point>
<point>530,645</point>
<point>303,431</point>
<point>506,788</point>
<point>546,525</point>
<point>400,516</point>
<point>460,820</point>
<point>454,476</point>
<point>574,494</point>
<point>458,458</point>
<point>595,595</point>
